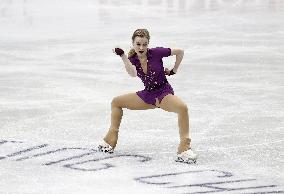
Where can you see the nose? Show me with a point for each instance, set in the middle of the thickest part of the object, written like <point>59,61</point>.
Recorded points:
<point>141,47</point>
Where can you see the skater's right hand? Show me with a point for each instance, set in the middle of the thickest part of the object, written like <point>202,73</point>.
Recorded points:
<point>118,51</point>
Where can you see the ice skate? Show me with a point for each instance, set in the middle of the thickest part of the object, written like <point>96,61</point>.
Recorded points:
<point>109,142</point>
<point>187,156</point>
<point>105,147</point>
<point>185,153</point>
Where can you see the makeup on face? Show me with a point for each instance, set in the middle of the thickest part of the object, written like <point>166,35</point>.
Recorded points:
<point>140,45</point>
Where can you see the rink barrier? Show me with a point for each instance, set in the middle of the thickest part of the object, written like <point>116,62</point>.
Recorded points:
<point>223,182</point>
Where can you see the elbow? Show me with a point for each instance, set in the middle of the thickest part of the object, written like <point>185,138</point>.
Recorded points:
<point>132,73</point>
<point>178,51</point>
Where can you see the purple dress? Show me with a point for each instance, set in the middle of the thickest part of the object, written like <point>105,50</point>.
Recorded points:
<point>155,81</point>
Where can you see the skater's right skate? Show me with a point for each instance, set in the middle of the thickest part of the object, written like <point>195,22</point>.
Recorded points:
<point>109,142</point>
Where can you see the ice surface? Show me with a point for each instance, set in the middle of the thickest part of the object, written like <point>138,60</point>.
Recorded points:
<point>58,76</point>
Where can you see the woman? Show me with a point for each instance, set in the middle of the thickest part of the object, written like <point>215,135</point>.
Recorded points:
<point>147,64</point>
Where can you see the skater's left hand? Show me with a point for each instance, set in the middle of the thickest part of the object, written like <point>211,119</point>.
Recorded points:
<point>169,72</point>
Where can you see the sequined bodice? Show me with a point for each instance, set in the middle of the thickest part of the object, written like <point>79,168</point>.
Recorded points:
<point>153,78</point>
<point>155,75</point>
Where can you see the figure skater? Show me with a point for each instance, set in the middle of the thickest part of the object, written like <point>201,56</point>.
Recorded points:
<point>147,64</point>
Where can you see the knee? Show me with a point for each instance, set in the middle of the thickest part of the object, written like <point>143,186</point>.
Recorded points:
<point>115,102</point>
<point>183,109</point>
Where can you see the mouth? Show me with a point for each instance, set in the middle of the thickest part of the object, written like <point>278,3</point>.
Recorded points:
<point>141,52</point>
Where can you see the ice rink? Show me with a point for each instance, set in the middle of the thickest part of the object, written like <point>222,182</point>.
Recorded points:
<point>58,76</point>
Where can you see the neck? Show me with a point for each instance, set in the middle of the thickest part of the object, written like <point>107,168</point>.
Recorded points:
<point>142,57</point>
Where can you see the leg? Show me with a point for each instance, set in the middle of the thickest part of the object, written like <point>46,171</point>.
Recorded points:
<point>172,103</point>
<point>130,101</point>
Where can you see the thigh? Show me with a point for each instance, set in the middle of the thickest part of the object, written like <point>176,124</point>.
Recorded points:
<point>131,101</point>
<point>172,103</point>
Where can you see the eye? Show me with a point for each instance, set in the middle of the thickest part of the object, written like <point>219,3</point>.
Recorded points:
<point>138,44</point>
<point>145,44</point>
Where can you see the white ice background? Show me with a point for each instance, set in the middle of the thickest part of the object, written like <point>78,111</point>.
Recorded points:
<point>58,76</point>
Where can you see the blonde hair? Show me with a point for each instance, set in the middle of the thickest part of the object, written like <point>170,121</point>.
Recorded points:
<point>139,33</point>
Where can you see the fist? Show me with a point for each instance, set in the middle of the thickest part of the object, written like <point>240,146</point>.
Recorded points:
<point>118,51</point>
<point>169,72</point>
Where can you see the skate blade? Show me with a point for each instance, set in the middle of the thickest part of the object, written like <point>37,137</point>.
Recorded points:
<point>105,149</point>
<point>188,161</point>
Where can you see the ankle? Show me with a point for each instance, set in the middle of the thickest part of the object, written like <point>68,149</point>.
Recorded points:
<point>184,145</point>
<point>113,130</point>
<point>111,138</point>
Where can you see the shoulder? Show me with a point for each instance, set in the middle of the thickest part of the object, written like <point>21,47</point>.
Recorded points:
<point>161,51</point>
<point>158,48</point>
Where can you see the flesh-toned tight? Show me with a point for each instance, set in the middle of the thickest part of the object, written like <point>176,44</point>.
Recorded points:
<point>132,101</point>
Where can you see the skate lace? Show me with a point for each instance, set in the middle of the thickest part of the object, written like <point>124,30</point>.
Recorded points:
<point>106,145</point>
<point>188,153</point>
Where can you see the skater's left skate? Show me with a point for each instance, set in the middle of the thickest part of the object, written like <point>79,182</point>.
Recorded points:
<point>187,156</point>
<point>185,153</point>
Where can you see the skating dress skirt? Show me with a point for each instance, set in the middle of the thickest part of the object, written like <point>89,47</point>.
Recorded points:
<point>155,81</point>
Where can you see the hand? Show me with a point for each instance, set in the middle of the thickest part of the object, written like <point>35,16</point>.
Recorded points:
<point>118,51</point>
<point>169,72</point>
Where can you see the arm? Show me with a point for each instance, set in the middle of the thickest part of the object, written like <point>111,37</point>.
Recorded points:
<point>179,56</point>
<point>131,69</point>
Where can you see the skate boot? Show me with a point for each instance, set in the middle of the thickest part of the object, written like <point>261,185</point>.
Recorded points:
<point>105,147</point>
<point>185,153</point>
<point>187,156</point>
<point>109,142</point>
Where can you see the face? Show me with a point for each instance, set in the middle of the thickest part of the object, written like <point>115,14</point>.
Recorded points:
<point>140,45</point>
